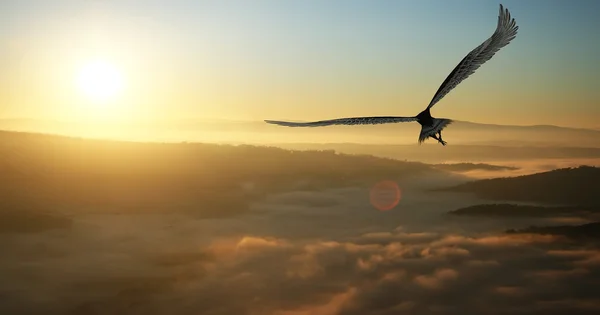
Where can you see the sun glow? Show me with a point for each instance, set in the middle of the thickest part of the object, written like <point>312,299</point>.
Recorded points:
<point>100,81</point>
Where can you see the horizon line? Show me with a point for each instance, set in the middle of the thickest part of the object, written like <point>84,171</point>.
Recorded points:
<point>213,120</point>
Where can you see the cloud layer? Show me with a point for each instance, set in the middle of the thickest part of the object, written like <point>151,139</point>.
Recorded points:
<point>391,272</point>
<point>297,253</point>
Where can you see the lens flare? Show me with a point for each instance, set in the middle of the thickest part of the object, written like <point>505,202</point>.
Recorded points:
<point>385,195</point>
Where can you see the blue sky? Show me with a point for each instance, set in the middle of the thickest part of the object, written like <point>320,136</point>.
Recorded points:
<point>310,59</point>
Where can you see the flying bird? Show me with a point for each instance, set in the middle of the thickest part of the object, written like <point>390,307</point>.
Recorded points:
<point>431,127</point>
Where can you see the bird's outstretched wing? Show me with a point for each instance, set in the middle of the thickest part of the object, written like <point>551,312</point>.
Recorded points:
<point>345,121</point>
<point>505,32</point>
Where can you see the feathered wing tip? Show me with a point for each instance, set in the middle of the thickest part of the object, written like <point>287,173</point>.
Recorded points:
<point>438,125</point>
<point>506,25</point>
<point>501,11</point>
<point>506,31</point>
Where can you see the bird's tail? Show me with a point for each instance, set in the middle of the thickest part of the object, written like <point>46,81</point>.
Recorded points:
<point>438,125</point>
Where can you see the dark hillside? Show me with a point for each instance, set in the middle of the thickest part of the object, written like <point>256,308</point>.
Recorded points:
<point>568,186</point>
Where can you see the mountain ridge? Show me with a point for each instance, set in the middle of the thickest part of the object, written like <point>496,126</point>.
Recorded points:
<point>200,122</point>
<point>573,186</point>
<point>258,132</point>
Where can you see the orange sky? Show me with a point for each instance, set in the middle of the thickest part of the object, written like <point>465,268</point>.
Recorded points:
<point>296,61</point>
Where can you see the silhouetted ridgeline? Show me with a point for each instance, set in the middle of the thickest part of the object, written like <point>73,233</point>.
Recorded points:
<point>29,220</point>
<point>48,173</point>
<point>435,153</point>
<point>258,132</point>
<point>465,167</point>
<point>589,231</point>
<point>568,186</point>
<point>512,210</point>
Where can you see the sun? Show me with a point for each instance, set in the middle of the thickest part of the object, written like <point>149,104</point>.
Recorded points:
<point>100,81</point>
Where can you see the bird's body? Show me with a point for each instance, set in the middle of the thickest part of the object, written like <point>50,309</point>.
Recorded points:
<point>424,118</point>
<point>431,127</point>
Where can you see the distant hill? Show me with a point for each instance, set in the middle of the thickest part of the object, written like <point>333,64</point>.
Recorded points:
<point>258,132</point>
<point>435,153</point>
<point>585,231</point>
<point>469,142</point>
<point>466,167</point>
<point>512,210</point>
<point>18,220</point>
<point>43,174</point>
<point>568,186</point>
<point>511,135</point>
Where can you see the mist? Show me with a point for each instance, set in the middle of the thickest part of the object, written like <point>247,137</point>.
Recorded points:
<point>99,229</point>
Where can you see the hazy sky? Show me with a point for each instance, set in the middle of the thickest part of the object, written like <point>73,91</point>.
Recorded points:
<point>299,60</point>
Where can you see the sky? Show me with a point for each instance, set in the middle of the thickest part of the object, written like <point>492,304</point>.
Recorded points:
<point>298,60</point>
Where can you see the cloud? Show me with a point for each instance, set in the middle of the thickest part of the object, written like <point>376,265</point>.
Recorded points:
<point>510,290</point>
<point>379,272</point>
<point>259,243</point>
<point>572,304</point>
<point>430,252</point>
<point>387,276</point>
<point>580,257</point>
<point>332,307</point>
<point>554,274</point>
<point>498,240</point>
<point>436,280</point>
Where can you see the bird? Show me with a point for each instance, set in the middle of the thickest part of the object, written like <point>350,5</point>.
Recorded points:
<point>506,31</point>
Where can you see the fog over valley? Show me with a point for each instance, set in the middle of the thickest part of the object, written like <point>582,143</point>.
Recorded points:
<point>218,229</point>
